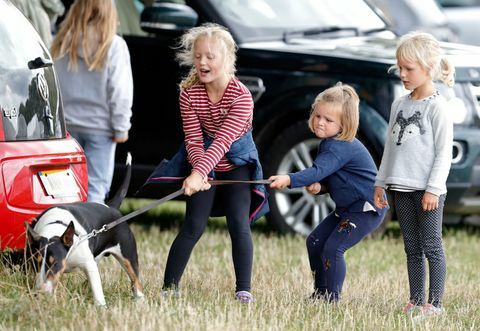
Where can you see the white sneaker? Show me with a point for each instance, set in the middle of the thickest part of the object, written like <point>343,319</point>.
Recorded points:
<point>244,297</point>
<point>429,310</point>
<point>410,308</point>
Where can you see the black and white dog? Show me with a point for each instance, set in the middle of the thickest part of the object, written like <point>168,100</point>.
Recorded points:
<point>53,242</point>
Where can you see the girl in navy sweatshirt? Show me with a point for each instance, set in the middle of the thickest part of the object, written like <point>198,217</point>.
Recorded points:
<point>344,168</point>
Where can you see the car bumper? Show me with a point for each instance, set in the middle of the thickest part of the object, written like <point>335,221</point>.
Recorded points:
<point>463,184</point>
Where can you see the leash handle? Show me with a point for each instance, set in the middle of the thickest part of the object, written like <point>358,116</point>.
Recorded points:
<point>233,181</point>
<point>168,198</point>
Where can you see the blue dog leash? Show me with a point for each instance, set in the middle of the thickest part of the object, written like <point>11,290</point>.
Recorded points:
<point>142,210</point>
<point>166,198</point>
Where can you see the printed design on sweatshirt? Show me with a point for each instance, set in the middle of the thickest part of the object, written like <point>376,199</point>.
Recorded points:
<point>407,128</point>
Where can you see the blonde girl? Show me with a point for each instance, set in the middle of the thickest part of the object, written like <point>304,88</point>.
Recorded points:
<point>216,110</point>
<point>93,67</point>
<point>415,165</point>
<point>344,168</point>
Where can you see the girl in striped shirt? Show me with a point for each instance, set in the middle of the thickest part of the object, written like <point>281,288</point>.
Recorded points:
<point>216,110</point>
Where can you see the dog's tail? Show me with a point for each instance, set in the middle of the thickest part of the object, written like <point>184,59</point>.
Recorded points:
<point>117,199</point>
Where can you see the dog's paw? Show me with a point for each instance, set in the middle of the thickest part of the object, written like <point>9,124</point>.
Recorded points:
<point>101,305</point>
<point>139,297</point>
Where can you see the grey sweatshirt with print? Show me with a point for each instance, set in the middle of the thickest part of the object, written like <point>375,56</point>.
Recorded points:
<point>418,148</point>
<point>98,102</point>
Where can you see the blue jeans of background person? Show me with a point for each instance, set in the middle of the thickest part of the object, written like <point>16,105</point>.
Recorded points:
<point>328,242</point>
<point>100,153</point>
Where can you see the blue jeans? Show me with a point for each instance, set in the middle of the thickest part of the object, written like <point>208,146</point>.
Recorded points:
<point>100,153</point>
<point>327,243</point>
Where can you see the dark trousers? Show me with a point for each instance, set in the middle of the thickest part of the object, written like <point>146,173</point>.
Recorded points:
<point>327,244</point>
<point>422,236</point>
<point>235,200</point>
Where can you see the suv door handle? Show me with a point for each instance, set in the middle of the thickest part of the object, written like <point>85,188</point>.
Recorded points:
<point>39,62</point>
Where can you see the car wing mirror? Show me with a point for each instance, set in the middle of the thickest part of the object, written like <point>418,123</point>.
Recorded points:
<point>167,17</point>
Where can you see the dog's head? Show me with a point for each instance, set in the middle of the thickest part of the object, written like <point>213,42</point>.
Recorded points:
<point>48,256</point>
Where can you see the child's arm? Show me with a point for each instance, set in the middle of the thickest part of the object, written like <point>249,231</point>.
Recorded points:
<point>194,183</point>
<point>316,188</point>
<point>279,181</point>
<point>379,198</point>
<point>232,128</point>
<point>429,201</point>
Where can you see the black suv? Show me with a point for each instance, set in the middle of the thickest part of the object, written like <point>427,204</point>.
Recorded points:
<point>289,51</point>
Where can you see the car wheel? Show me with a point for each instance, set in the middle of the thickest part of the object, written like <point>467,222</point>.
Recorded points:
<point>295,210</point>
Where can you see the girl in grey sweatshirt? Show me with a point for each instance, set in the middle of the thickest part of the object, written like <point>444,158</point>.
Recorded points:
<point>415,166</point>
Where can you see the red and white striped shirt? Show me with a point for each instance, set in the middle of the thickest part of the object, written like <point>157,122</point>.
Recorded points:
<point>224,121</point>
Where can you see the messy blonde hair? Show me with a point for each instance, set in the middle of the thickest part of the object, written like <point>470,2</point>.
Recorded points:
<point>424,49</point>
<point>186,54</point>
<point>90,25</point>
<point>347,100</point>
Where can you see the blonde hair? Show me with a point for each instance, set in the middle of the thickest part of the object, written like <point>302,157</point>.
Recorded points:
<point>90,25</point>
<point>186,54</point>
<point>423,48</point>
<point>347,100</point>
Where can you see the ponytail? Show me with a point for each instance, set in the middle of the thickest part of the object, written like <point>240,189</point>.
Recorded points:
<point>447,72</point>
<point>423,48</point>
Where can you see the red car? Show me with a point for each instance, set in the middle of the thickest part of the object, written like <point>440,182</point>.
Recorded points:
<point>40,164</point>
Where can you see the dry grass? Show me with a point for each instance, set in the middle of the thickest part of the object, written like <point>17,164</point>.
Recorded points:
<point>374,291</point>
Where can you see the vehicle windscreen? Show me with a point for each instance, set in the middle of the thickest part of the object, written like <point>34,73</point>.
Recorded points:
<point>272,19</point>
<point>29,98</point>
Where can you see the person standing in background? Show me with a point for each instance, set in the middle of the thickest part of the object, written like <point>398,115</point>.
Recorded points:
<point>42,14</point>
<point>95,76</point>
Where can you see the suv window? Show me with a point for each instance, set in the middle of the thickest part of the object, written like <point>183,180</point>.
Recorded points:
<point>459,3</point>
<point>272,18</point>
<point>29,98</point>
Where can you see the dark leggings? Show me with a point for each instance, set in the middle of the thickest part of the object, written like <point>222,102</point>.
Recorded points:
<point>327,244</point>
<point>422,236</point>
<point>235,199</point>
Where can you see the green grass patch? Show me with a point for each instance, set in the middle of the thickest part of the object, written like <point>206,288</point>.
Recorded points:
<point>375,290</point>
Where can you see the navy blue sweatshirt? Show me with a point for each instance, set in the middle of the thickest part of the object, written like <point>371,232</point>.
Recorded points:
<point>346,169</point>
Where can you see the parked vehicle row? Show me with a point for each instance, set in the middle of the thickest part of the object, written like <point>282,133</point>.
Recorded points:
<point>463,16</point>
<point>288,52</point>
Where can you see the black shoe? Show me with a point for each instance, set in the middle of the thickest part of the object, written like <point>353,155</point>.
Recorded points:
<point>317,296</point>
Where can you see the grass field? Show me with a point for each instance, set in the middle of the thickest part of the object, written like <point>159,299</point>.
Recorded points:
<point>375,289</point>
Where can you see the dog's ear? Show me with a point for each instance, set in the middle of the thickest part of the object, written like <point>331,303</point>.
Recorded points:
<point>32,236</point>
<point>67,236</point>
